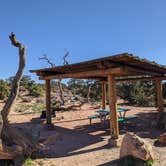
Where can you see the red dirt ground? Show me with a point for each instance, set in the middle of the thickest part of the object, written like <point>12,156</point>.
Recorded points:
<point>74,142</point>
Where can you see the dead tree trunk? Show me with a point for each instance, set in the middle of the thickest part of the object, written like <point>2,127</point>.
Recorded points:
<point>16,81</point>
<point>89,91</point>
<point>13,143</point>
<point>61,92</point>
<point>59,80</point>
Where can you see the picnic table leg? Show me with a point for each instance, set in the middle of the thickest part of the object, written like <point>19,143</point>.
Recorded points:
<point>90,121</point>
<point>124,114</point>
<point>120,114</point>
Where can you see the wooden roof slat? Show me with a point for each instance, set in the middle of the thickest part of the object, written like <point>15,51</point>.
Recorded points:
<point>132,65</point>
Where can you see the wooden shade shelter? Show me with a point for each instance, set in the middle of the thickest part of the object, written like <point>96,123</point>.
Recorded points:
<point>112,69</point>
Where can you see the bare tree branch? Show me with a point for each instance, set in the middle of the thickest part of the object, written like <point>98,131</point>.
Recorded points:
<point>45,57</point>
<point>65,62</point>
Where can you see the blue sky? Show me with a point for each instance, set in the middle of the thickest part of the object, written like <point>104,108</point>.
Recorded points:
<point>88,29</point>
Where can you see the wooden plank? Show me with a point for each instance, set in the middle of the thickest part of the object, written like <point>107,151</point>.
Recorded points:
<point>143,78</point>
<point>48,102</point>
<point>122,60</point>
<point>142,71</point>
<point>114,127</point>
<point>103,95</point>
<point>116,71</point>
<point>92,73</point>
<point>159,96</point>
<point>140,79</point>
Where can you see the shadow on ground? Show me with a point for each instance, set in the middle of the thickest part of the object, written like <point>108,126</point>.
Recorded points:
<point>77,140</point>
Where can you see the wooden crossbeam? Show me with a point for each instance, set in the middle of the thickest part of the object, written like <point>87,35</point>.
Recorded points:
<point>116,71</point>
<point>113,71</point>
<point>143,71</point>
<point>140,79</point>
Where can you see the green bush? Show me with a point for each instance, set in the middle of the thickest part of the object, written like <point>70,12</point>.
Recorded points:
<point>36,90</point>
<point>139,93</point>
<point>35,108</point>
<point>29,85</point>
<point>81,87</point>
<point>28,162</point>
<point>4,90</point>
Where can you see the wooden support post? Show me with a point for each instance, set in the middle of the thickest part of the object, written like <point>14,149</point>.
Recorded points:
<point>103,95</point>
<point>160,107</point>
<point>48,102</point>
<point>114,127</point>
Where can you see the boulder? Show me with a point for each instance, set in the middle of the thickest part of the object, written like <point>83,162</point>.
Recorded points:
<point>162,138</point>
<point>134,146</point>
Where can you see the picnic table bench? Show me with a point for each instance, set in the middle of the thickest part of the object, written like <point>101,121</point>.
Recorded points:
<point>103,114</point>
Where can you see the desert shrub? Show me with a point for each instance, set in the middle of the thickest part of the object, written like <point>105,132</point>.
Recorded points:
<point>25,99</point>
<point>81,88</point>
<point>96,92</point>
<point>4,89</point>
<point>144,93</point>
<point>139,93</point>
<point>22,108</point>
<point>38,107</point>
<point>34,107</point>
<point>36,90</point>
<point>78,87</point>
<point>28,162</point>
<point>40,100</point>
<point>29,85</point>
<point>124,91</point>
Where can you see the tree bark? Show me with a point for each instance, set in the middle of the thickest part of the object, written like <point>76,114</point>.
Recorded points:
<point>89,91</point>
<point>61,92</point>
<point>12,142</point>
<point>15,84</point>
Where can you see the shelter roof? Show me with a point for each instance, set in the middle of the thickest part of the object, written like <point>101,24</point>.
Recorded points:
<point>121,65</point>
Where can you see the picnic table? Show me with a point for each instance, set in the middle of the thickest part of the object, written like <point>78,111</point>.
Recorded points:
<point>103,114</point>
<point>121,111</point>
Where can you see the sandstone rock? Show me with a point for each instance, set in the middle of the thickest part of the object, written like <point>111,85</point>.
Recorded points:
<point>134,146</point>
<point>162,138</point>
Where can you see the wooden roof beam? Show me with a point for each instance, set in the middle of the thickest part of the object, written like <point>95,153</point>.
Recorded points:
<point>117,71</point>
<point>93,73</point>
<point>124,70</point>
<point>141,79</point>
<point>142,71</point>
